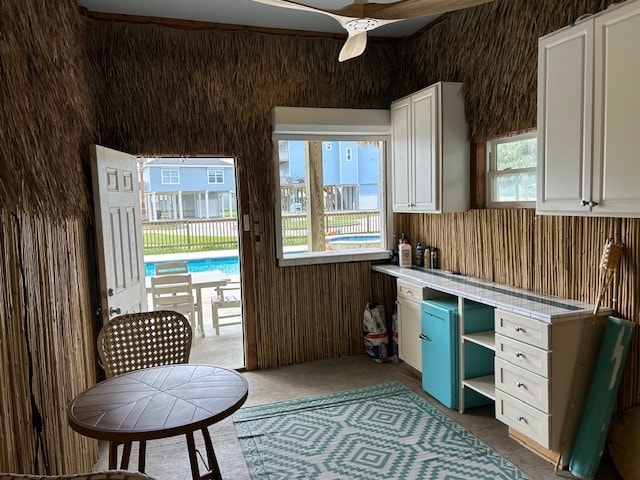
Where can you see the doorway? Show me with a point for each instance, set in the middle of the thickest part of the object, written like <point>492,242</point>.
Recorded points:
<point>189,210</point>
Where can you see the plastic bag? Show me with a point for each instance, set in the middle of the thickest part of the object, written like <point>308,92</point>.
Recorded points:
<point>376,338</point>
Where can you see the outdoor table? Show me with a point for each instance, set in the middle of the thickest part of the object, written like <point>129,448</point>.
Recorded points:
<point>159,402</point>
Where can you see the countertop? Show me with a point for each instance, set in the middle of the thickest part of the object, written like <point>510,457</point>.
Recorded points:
<point>546,308</point>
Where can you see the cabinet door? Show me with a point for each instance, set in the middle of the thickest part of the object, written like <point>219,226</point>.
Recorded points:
<point>565,91</point>
<point>402,155</point>
<point>426,164</point>
<point>617,112</point>
<point>409,343</point>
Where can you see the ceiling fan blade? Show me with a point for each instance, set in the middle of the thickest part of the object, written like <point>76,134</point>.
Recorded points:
<point>299,6</point>
<point>417,8</point>
<point>354,46</point>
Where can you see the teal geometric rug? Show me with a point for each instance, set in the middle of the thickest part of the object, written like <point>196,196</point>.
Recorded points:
<point>386,432</point>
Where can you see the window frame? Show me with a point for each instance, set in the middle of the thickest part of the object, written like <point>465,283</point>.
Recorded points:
<point>493,172</point>
<point>215,170</point>
<point>169,171</point>
<point>312,258</point>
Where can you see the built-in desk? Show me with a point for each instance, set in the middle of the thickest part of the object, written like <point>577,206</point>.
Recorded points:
<point>545,347</point>
<point>545,308</point>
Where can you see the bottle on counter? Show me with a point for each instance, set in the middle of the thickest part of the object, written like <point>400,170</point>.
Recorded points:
<point>405,253</point>
<point>419,255</point>
<point>434,257</point>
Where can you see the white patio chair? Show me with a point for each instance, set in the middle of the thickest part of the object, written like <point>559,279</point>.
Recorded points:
<point>223,304</point>
<point>174,292</point>
<point>169,268</point>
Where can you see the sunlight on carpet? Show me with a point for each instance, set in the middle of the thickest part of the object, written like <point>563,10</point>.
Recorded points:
<point>386,432</point>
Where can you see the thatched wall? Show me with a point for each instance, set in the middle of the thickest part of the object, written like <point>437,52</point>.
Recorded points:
<point>46,332</point>
<point>162,90</point>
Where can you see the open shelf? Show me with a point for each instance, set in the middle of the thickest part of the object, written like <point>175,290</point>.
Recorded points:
<point>486,339</point>
<point>484,385</point>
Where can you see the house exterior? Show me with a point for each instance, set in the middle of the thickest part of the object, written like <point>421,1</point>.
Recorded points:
<point>350,171</point>
<point>179,188</point>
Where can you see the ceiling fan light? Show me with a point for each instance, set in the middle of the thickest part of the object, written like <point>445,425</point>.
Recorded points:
<point>361,24</point>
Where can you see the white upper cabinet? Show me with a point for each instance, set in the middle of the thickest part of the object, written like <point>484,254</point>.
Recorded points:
<point>430,151</point>
<point>589,116</point>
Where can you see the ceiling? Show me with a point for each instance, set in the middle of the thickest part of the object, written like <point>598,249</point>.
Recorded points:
<point>253,14</point>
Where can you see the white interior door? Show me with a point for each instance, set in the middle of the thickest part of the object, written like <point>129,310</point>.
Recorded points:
<point>118,232</point>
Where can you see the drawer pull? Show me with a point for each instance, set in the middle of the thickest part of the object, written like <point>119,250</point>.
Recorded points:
<point>519,329</point>
<point>520,418</point>
<point>520,384</point>
<point>423,336</point>
<point>519,354</point>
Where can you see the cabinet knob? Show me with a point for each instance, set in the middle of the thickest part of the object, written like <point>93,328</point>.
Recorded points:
<point>584,202</point>
<point>519,329</point>
<point>520,418</point>
<point>423,336</point>
<point>520,384</point>
<point>519,354</point>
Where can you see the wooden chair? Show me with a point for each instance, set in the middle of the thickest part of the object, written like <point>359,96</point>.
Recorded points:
<point>168,268</point>
<point>225,299</point>
<point>174,292</point>
<point>106,475</point>
<point>142,340</point>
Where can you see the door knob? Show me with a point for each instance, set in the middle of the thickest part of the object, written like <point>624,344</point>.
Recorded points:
<point>114,311</point>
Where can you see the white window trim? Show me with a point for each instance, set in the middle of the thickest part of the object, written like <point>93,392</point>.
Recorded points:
<point>326,124</point>
<point>492,173</point>
<point>162,170</point>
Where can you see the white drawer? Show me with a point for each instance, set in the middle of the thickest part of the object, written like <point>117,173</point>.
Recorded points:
<point>521,328</point>
<point>523,418</point>
<point>523,355</point>
<point>522,384</point>
<point>409,291</point>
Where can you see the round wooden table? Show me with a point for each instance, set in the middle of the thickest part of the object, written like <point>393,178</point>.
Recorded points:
<point>159,402</point>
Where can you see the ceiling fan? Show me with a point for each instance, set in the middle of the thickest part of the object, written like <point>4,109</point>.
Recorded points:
<point>361,16</point>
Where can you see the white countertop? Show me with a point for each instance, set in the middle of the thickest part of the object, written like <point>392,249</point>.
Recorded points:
<point>546,308</point>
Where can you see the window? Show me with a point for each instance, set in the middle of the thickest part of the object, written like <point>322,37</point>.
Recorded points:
<point>331,212</point>
<point>512,177</point>
<point>215,176</point>
<point>348,154</point>
<point>170,176</point>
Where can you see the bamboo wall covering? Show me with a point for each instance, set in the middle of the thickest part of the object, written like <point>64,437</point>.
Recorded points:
<point>46,343</point>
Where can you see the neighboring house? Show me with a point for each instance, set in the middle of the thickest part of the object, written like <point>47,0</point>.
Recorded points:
<point>178,188</point>
<point>350,170</point>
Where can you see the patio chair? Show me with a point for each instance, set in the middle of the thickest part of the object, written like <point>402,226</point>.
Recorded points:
<point>174,292</point>
<point>168,268</point>
<point>141,340</point>
<point>105,475</point>
<point>223,304</point>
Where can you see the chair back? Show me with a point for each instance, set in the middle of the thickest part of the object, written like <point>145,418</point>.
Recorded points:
<point>173,292</point>
<point>141,340</point>
<point>169,268</point>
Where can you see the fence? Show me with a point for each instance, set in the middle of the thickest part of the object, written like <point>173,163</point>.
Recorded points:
<point>222,233</point>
